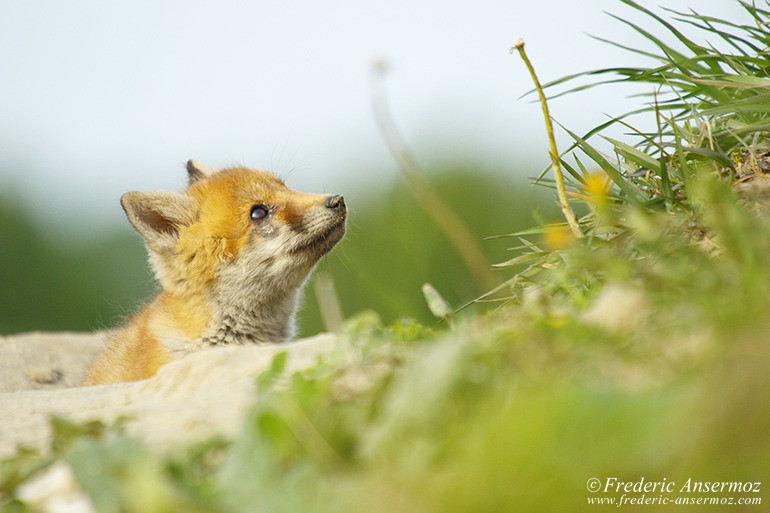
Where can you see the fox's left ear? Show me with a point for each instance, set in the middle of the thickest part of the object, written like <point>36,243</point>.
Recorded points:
<point>196,171</point>
<point>158,216</point>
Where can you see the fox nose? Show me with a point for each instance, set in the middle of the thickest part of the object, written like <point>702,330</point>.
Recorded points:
<point>336,201</point>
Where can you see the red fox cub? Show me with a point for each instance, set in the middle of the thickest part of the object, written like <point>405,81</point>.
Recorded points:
<point>231,253</point>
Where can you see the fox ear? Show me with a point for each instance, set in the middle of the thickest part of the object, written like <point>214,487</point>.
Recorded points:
<point>158,216</point>
<point>196,171</point>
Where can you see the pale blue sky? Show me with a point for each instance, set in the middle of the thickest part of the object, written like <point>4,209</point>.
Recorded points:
<point>98,98</point>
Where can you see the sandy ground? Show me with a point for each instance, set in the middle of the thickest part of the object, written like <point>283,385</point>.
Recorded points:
<point>205,393</point>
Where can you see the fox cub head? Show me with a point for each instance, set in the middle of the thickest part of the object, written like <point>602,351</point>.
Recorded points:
<point>236,237</point>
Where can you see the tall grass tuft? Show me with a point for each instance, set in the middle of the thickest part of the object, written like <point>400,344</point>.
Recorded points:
<point>708,104</point>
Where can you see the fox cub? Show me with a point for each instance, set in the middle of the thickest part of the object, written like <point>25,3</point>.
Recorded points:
<point>231,253</point>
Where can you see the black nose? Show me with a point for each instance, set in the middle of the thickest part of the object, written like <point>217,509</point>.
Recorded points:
<point>335,201</point>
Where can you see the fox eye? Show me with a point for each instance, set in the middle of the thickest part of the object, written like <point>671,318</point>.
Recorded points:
<point>258,213</point>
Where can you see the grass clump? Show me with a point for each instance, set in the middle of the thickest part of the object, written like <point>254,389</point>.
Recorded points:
<point>637,351</point>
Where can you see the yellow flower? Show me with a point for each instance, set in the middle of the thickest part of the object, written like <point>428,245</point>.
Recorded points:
<point>596,187</point>
<point>557,237</point>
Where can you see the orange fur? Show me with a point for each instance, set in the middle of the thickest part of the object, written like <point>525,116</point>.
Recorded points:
<point>134,354</point>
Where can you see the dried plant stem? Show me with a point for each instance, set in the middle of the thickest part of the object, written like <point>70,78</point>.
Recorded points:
<point>451,225</point>
<point>329,303</point>
<point>561,193</point>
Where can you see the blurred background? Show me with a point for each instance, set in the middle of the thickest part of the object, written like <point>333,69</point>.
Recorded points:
<point>97,99</point>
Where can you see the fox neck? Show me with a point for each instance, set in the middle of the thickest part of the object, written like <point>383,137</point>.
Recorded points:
<point>256,303</point>
<point>248,303</point>
<point>254,322</point>
<point>188,321</point>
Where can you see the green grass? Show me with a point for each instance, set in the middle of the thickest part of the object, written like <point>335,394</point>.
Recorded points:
<point>638,351</point>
